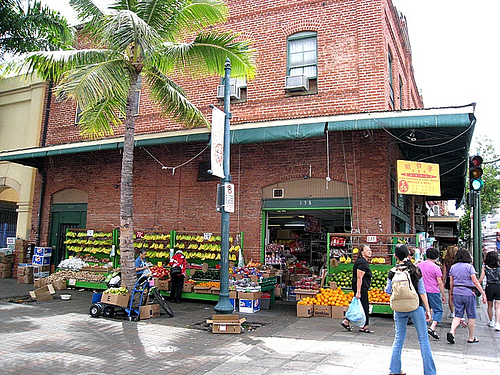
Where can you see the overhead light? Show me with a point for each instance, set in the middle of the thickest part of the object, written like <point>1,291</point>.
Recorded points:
<point>281,217</point>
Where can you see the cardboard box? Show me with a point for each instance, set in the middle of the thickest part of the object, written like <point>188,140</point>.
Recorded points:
<point>187,288</point>
<point>162,284</point>
<point>43,294</point>
<point>4,274</point>
<point>25,279</point>
<point>20,257</point>
<point>59,284</point>
<point>37,269</point>
<point>338,312</point>
<point>323,311</point>
<point>24,270</point>
<point>20,245</point>
<point>43,251</point>
<point>6,258</point>
<point>202,289</point>
<point>305,311</point>
<point>5,266</point>
<point>249,305</point>
<point>248,295</point>
<point>300,294</point>
<point>149,311</point>
<point>39,282</point>
<point>116,299</point>
<point>226,323</point>
<point>333,285</point>
<point>40,260</point>
<point>215,290</point>
<point>233,297</point>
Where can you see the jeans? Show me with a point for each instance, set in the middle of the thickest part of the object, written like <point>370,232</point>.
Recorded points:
<point>436,306</point>
<point>400,320</point>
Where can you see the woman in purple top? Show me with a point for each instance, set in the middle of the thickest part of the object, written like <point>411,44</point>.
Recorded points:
<point>463,279</point>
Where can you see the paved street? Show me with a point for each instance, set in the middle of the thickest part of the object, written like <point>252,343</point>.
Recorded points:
<point>60,337</point>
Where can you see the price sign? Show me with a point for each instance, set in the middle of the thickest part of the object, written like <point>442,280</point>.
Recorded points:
<point>371,239</point>
<point>72,282</point>
<point>206,236</point>
<point>90,233</point>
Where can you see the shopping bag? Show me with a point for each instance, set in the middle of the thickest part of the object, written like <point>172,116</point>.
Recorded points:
<point>355,313</point>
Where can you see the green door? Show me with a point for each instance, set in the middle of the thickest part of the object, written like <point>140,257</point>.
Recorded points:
<point>63,217</point>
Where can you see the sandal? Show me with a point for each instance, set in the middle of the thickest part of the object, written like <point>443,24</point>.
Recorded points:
<point>365,330</point>
<point>346,326</point>
<point>433,333</point>
<point>450,338</point>
<point>473,341</point>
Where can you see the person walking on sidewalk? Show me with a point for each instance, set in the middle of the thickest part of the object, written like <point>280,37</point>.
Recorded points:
<point>463,279</point>
<point>361,280</point>
<point>448,261</point>
<point>419,317</point>
<point>491,269</point>
<point>433,282</point>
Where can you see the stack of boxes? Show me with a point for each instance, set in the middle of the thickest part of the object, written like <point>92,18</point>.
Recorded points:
<point>21,255</point>
<point>6,265</point>
<point>41,261</point>
<point>24,273</point>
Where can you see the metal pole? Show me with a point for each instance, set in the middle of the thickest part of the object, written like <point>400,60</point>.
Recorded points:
<point>476,230</point>
<point>224,305</point>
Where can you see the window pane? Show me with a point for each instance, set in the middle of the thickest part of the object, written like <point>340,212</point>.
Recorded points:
<point>296,46</point>
<point>296,59</point>
<point>310,71</point>
<point>310,57</point>
<point>296,71</point>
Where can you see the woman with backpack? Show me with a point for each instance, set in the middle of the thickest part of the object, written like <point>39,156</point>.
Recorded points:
<point>491,269</point>
<point>419,315</point>
<point>463,279</point>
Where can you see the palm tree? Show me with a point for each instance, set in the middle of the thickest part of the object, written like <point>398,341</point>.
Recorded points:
<point>28,26</point>
<point>151,38</point>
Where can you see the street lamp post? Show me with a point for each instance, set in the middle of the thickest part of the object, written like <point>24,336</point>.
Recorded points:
<point>224,305</point>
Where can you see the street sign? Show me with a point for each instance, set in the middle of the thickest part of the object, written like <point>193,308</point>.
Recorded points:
<point>229,197</point>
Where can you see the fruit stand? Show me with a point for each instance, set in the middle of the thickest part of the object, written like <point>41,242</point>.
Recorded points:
<point>342,250</point>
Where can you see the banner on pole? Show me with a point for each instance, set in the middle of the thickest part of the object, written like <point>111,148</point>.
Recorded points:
<point>217,142</point>
<point>416,178</point>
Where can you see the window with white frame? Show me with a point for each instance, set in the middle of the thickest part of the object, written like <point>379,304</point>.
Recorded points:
<point>303,54</point>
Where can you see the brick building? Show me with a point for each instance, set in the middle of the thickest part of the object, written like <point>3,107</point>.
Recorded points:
<point>315,138</point>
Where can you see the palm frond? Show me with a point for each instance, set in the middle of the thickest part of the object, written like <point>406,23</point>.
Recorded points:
<point>126,28</point>
<point>90,83</point>
<point>53,64</point>
<point>207,54</point>
<point>173,17</point>
<point>86,10</point>
<point>173,100</point>
<point>98,119</point>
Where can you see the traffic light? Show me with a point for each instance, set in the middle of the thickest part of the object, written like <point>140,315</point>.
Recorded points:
<point>475,173</point>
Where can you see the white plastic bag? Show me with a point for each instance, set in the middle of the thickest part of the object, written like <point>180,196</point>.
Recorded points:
<point>355,314</point>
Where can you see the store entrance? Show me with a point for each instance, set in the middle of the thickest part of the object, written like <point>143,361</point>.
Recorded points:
<point>302,234</point>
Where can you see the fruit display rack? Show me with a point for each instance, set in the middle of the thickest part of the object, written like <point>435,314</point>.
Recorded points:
<point>94,247</point>
<point>157,245</point>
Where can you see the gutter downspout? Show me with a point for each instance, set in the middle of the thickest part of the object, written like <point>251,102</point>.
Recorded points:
<point>39,168</point>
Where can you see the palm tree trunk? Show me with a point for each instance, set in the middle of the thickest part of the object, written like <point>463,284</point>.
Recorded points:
<point>127,256</point>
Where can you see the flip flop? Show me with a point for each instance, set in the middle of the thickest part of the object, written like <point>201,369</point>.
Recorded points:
<point>346,326</point>
<point>450,338</point>
<point>473,341</point>
<point>365,330</point>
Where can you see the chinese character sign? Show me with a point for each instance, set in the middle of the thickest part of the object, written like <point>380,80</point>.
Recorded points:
<point>416,178</point>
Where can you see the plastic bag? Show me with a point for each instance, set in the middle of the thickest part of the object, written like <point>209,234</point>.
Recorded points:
<point>355,313</point>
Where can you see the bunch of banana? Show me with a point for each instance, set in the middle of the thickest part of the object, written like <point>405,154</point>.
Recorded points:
<point>345,260</point>
<point>378,261</point>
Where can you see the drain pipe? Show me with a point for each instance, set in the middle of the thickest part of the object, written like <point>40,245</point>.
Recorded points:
<point>39,168</point>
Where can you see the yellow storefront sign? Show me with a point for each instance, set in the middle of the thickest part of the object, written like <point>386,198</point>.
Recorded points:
<point>416,178</point>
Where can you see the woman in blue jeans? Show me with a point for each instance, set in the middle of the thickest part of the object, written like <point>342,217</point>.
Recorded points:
<point>419,317</point>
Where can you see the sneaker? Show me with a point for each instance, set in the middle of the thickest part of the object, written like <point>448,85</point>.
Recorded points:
<point>491,323</point>
<point>433,333</point>
<point>451,315</point>
<point>497,327</point>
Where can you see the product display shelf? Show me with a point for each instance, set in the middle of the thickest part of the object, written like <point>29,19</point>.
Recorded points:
<point>86,285</point>
<point>268,285</point>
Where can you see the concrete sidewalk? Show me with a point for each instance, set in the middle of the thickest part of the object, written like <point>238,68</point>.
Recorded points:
<point>60,337</point>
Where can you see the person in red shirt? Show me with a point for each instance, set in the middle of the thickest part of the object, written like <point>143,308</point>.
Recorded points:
<point>178,265</point>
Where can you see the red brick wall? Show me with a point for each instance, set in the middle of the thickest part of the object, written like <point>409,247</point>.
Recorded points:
<point>164,201</point>
<point>353,41</point>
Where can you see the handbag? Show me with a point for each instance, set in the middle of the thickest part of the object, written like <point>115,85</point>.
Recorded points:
<point>355,313</point>
<point>174,271</point>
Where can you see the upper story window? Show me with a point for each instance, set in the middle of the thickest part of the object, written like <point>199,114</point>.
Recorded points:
<point>238,89</point>
<point>391,81</point>
<point>303,54</point>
